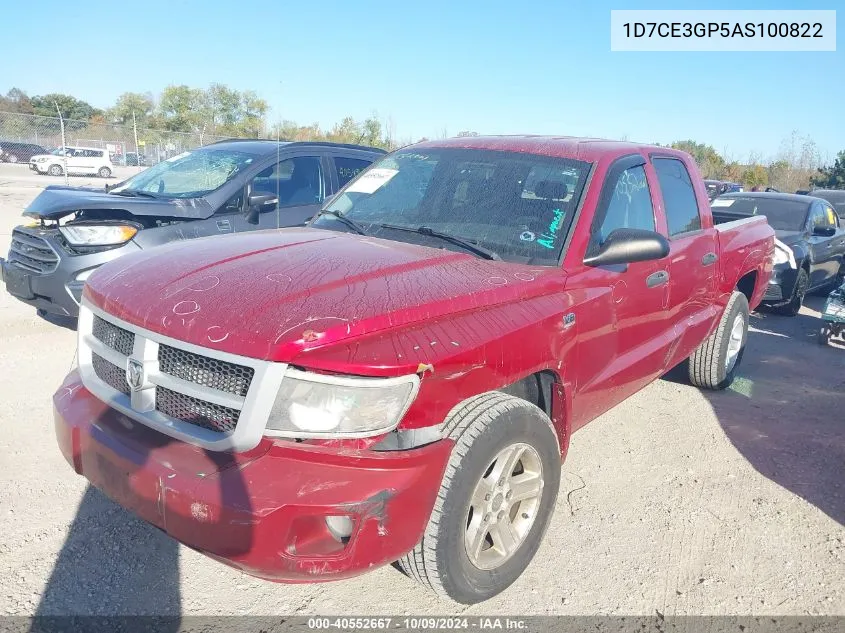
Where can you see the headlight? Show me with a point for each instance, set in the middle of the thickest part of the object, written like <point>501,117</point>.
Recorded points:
<point>783,255</point>
<point>314,405</point>
<point>43,159</point>
<point>88,235</point>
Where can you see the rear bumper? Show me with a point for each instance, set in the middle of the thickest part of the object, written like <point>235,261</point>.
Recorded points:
<point>264,511</point>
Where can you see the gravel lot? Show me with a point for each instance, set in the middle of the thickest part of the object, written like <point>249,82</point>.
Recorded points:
<point>676,501</point>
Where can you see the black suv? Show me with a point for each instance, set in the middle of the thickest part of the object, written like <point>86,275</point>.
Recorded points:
<point>14,152</point>
<point>226,187</point>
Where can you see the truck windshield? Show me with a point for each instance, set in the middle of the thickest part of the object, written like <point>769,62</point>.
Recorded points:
<point>517,206</point>
<point>189,175</point>
<point>782,215</point>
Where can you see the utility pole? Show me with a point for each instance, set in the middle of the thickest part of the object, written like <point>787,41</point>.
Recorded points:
<point>135,132</point>
<point>64,143</point>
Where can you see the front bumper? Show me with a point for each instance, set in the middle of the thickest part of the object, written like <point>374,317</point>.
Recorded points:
<point>781,285</point>
<point>40,168</point>
<point>263,511</point>
<point>59,291</point>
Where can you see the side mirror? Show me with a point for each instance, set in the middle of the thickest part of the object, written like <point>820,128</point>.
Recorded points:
<point>824,231</point>
<point>258,202</point>
<point>626,246</point>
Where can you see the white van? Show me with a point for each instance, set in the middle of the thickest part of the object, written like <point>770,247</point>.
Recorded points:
<point>80,161</point>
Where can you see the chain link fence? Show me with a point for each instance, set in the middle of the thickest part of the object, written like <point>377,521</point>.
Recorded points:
<point>23,135</point>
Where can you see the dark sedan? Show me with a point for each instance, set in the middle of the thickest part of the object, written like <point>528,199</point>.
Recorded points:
<point>809,245</point>
<point>14,152</point>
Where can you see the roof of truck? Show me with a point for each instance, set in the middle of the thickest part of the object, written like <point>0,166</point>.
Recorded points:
<point>575,147</point>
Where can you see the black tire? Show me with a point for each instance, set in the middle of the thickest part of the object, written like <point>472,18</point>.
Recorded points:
<point>802,282</point>
<point>825,332</point>
<point>707,365</point>
<point>104,172</point>
<point>55,170</point>
<point>482,427</point>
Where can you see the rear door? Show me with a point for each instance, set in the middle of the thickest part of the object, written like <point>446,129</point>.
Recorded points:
<point>78,161</point>
<point>693,258</point>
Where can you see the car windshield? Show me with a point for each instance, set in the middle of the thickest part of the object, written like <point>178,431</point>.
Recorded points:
<point>782,215</point>
<point>517,205</point>
<point>189,175</point>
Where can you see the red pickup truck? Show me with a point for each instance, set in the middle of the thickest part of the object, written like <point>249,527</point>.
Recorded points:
<point>400,379</point>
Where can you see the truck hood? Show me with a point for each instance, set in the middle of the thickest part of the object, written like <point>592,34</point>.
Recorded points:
<point>274,294</point>
<point>57,201</point>
<point>790,238</point>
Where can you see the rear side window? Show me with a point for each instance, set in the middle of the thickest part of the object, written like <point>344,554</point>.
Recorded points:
<point>679,200</point>
<point>630,206</point>
<point>348,168</point>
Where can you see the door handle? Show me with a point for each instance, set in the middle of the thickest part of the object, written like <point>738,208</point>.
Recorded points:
<point>709,259</point>
<point>657,279</point>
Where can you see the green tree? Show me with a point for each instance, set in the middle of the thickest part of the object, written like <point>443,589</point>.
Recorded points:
<point>72,109</point>
<point>127,104</point>
<point>832,177</point>
<point>755,176</point>
<point>181,109</point>
<point>706,157</point>
<point>16,101</point>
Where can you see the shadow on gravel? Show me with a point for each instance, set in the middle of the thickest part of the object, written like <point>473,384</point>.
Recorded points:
<point>115,564</point>
<point>785,413</point>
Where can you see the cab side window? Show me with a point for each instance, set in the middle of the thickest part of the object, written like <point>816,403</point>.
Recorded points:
<point>297,181</point>
<point>679,201</point>
<point>630,205</point>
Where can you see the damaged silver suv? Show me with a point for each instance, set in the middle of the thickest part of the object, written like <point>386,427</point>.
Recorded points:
<point>227,187</point>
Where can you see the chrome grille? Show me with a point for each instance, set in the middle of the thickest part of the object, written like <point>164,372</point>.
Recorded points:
<point>109,373</point>
<point>32,252</point>
<point>113,336</point>
<point>205,371</point>
<point>213,417</point>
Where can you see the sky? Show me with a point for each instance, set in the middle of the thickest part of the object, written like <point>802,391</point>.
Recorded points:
<point>435,67</point>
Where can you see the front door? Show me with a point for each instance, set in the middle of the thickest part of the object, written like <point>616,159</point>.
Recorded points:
<point>623,332</point>
<point>300,184</point>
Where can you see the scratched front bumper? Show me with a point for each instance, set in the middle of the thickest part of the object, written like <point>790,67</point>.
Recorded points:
<point>263,511</point>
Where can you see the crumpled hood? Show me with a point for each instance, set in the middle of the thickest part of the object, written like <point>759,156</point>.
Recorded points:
<point>57,201</point>
<point>274,294</point>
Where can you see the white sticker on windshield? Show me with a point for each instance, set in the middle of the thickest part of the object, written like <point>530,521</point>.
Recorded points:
<point>722,202</point>
<point>177,157</point>
<point>372,180</point>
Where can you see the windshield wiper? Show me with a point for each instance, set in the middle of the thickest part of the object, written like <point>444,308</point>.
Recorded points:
<point>134,193</point>
<point>352,224</point>
<point>463,243</point>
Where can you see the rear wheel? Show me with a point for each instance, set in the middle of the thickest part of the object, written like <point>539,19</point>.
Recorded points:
<point>495,501</point>
<point>13,158</point>
<point>104,172</point>
<point>714,364</point>
<point>825,332</point>
<point>798,293</point>
<point>55,170</point>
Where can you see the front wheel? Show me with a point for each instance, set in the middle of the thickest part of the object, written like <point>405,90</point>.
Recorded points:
<point>104,172</point>
<point>798,293</point>
<point>495,500</point>
<point>713,365</point>
<point>55,170</point>
<point>825,332</point>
